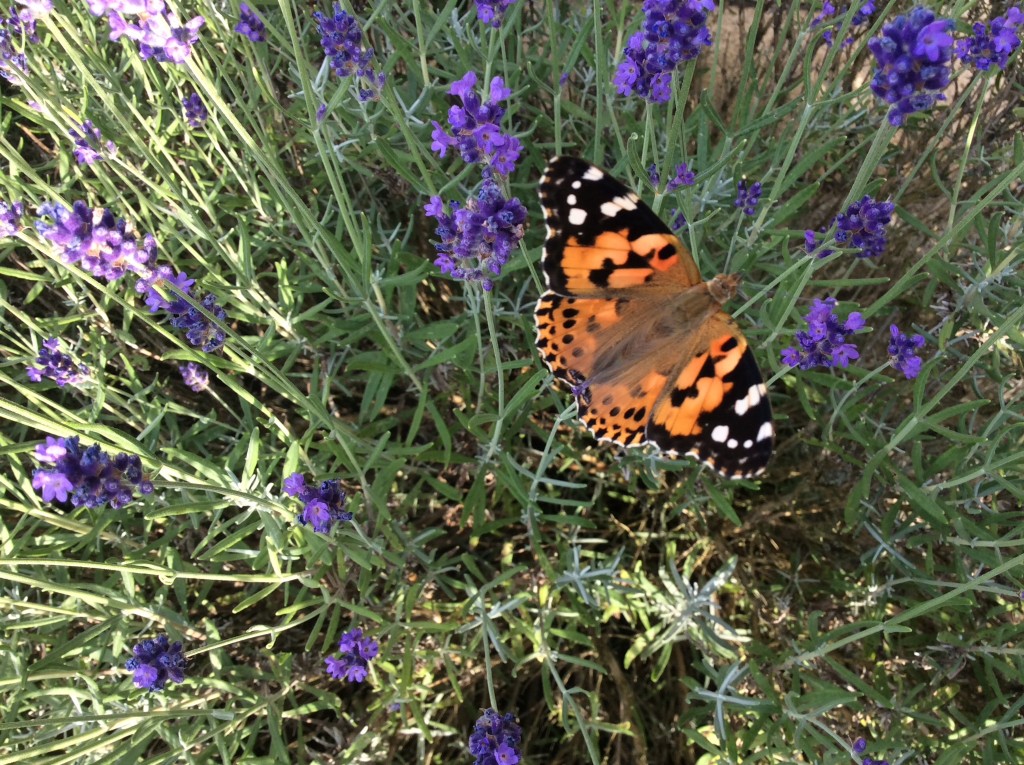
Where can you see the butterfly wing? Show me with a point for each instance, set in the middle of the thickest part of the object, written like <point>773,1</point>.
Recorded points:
<point>602,239</point>
<point>694,392</point>
<point>716,407</point>
<point>591,344</point>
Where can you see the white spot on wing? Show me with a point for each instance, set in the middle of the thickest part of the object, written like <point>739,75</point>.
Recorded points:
<point>765,432</point>
<point>593,174</point>
<point>617,205</point>
<point>753,397</point>
<point>747,444</point>
<point>732,443</point>
<point>720,433</point>
<point>577,216</point>
<point>576,184</point>
<point>571,199</point>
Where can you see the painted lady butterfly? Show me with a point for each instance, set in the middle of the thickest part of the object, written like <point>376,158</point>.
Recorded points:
<point>641,338</point>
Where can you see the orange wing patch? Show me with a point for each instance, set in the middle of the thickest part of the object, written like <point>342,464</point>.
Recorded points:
<point>614,262</point>
<point>717,409</point>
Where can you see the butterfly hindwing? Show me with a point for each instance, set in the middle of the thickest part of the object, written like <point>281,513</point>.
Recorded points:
<point>628,323</point>
<point>716,409</point>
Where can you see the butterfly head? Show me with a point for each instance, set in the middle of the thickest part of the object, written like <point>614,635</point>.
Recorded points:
<point>723,287</point>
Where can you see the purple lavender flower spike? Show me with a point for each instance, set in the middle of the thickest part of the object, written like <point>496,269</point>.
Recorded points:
<point>158,32</point>
<point>824,343</point>
<point>323,505</point>
<point>10,218</point>
<point>56,365</point>
<point>155,662</point>
<point>101,244</point>
<point>861,16</point>
<point>903,352</point>
<point>356,653</point>
<point>342,41</point>
<point>477,240</point>
<point>87,476</point>
<point>17,32</point>
<point>89,145</point>
<point>674,31</point>
<point>496,739</point>
<point>992,46</point>
<point>913,55</point>
<point>861,227</point>
<point>492,12</point>
<point>195,376</point>
<point>475,130</point>
<point>748,197</point>
<point>250,25</point>
<point>195,110</point>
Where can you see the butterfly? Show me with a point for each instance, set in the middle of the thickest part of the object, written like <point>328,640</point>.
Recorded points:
<point>642,340</point>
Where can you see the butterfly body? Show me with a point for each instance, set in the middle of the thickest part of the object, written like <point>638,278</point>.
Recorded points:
<point>642,340</point>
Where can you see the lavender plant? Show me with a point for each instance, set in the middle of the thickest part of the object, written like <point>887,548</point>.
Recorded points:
<point>285,479</point>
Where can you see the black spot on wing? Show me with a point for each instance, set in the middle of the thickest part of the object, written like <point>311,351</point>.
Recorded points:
<point>666,252</point>
<point>601,276</point>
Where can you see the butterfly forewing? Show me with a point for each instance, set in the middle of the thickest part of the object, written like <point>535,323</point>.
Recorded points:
<point>602,237</point>
<point>628,323</point>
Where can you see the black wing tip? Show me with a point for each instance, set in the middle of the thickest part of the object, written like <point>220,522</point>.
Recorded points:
<point>566,165</point>
<point>567,159</point>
